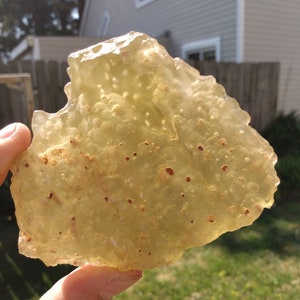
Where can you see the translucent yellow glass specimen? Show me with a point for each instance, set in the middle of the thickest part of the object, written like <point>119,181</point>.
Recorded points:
<point>148,158</point>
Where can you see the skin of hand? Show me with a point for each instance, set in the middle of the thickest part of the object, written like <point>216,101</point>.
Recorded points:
<point>86,282</point>
<point>14,139</point>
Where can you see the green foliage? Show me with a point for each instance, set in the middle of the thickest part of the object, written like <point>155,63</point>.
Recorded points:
<point>19,18</point>
<point>288,169</point>
<point>284,136</point>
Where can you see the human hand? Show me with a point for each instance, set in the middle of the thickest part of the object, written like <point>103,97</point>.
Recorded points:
<point>87,282</point>
<point>14,139</point>
<point>92,283</point>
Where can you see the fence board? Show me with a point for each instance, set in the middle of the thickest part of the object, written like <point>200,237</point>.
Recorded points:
<point>17,101</point>
<point>64,77</point>
<point>5,112</point>
<point>41,86</point>
<point>28,67</point>
<point>254,85</point>
<point>5,107</point>
<point>53,86</point>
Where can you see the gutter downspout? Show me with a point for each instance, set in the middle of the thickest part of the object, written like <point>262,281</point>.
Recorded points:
<point>240,30</point>
<point>85,14</point>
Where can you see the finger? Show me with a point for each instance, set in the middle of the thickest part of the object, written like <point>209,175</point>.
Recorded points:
<point>91,283</point>
<point>14,139</point>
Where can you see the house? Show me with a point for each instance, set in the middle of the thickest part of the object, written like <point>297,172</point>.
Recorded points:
<point>227,30</point>
<point>47,48</point>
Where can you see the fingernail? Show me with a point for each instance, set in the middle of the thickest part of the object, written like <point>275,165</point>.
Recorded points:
<point>8,131</point>
<point>119,284</point>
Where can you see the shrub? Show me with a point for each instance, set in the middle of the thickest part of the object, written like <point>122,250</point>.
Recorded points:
<point>284,136</point>
<point>288,170</point>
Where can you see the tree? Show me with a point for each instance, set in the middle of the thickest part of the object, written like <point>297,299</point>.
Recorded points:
<point>19,18</point>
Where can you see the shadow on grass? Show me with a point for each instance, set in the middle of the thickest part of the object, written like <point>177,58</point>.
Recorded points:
<point>278,230</point>
<point>22,277</point>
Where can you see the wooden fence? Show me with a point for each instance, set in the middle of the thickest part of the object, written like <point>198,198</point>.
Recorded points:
<point>48,81</point>
<point>254,85</point>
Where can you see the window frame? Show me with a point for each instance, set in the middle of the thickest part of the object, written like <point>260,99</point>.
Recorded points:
<point>202,46</point>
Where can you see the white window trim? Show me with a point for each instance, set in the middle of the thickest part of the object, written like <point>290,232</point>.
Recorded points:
<point>214,42</point>
<point>141,3</point>
<point>104,24</point>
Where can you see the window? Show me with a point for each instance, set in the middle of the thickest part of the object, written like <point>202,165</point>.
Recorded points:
<point>209,50</point>
<point>104,24</point>
<point>141,3</point>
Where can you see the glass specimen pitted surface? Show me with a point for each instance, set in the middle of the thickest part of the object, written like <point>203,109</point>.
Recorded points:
<point>148,158</point>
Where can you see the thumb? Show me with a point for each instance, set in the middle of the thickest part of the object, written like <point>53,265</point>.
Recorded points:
<point>14,139</point>
<point>90,282</point>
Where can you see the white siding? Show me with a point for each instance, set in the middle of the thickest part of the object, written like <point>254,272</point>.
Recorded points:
<point>58,48</point>
<point>47,48</point>
<point>187,21</point>
<point>272,33</point>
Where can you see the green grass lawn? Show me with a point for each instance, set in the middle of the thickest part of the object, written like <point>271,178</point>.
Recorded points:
<point>215,273</point>
<point>257,262</point>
